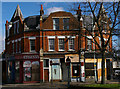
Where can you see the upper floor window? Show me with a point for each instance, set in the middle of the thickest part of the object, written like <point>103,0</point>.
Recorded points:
<point>105,27</point>
<point>108,47</point>
<point>71,43</point>
<point>32,44</point>
<point>19,46</point>
<point>16,48</point>
<point>65,23</point>
<point>13,47</point>
<point>18,27</point>
<point>51,45</point>
<point>56,24</point>
<point>14,28</point>
<point>89,44</point>
<point>61,44</point>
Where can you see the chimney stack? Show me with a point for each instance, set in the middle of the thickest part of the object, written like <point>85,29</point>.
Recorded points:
<point>41,13</point>
<point>41,10</point>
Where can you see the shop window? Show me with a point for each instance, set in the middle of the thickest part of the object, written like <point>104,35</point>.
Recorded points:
<point>9,70</point>
<point>46,62</point>
<point>35,72</point>
<point>89,69</point>
<point>17,68</point>
<point>75,70</point>
<point>51,44</point>
<point>61,44</point>
<point>27,70</point>
<point>66,23</point>
<point>32,45</point>
<point>71,44</point>
<point>56,24</point>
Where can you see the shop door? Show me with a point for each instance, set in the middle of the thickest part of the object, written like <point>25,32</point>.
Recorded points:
<point>46,75</point>
<point>56,72</point>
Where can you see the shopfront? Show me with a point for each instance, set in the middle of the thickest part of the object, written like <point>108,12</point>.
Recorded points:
<point>27,68</point>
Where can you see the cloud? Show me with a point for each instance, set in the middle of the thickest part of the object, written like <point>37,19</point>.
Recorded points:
<point>54,9</point>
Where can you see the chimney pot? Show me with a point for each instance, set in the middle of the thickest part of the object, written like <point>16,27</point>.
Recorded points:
<point>6,21</point>
<point>79,7</point>
<point>41,7</point>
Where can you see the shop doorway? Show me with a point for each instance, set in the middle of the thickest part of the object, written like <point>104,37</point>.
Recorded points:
<point>46,75</point>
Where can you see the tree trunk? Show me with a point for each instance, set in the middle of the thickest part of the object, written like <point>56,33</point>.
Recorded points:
<point>103,67</point>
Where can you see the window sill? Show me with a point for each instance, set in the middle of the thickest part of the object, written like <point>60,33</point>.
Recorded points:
<point>51,50</point>
<point>61,50</point>
<point>71,50</point>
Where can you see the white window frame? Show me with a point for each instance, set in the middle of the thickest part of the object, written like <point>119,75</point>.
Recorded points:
<point>30,45</point>
<point>66,24</point>
<point>61,44</point>
<point>73,49</point>
<point>55,24</point>
<point>53,44</point>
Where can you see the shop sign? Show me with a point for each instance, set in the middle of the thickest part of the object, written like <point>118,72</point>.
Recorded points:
<point>27,56</point>
<point>73,57</point>
<point>31,57</point>
<point>55,62</point>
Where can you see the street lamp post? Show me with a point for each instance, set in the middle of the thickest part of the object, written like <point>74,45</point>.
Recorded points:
<point>68,66</point>
<point>51,73</point>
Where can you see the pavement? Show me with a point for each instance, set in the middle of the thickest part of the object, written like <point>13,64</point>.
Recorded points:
<point>55,85</point>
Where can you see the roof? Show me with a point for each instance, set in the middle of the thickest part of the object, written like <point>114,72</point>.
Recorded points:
<point>17,13</point>
<point>32,22</point>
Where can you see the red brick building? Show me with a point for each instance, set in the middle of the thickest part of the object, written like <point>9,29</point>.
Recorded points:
<point>32,42</point>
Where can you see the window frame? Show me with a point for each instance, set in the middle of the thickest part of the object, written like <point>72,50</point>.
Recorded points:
<point>30,45</point>
<point>18,27</point>
<point>51,44</point>
<point>55,24</point>
<point>61,44</point>
<point>14,27</point>
<point>66,24</point>
<point>13,47</point>
<point>71,44</point>
<point>89,45</point>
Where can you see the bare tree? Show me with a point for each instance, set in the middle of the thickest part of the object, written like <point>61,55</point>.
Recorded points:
<point>105,20</point>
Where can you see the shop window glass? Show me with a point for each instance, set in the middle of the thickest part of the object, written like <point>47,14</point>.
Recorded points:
<point>27,71</point>
<point>75,70</point>
<point>9,70</point>
<point>17,68</point>
<point>46,63</point>
<point>35,71</point>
